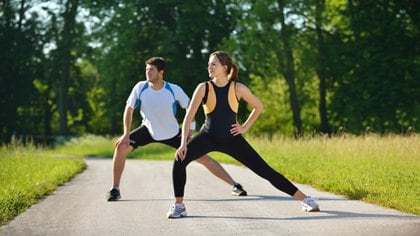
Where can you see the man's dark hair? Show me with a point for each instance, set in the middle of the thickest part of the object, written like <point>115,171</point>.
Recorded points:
<point>159,62</point>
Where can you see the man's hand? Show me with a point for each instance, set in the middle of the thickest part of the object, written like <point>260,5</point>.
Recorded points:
<point>124,139</point>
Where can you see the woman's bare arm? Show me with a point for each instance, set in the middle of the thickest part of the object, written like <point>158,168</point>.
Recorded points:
<point>242,92</point>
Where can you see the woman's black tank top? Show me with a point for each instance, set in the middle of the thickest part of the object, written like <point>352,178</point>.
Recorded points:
<point>220,119</point>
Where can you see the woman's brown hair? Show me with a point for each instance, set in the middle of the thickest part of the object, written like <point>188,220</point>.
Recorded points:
<point>226,60</point>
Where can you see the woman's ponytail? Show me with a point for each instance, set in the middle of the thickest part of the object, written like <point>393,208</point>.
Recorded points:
<point>233,75</point>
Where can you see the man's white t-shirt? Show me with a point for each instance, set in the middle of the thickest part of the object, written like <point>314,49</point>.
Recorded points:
<point>157,108</point>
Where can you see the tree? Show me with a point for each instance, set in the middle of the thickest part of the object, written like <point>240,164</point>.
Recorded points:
<point>136,30</point>
<point>20,65</point>
<point>287,62</point>
<point>380,56</point>
<point>265,44</point>
<point>64,47</point>
<point>321,66</point>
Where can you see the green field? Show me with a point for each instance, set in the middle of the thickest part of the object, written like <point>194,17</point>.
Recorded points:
<point>384,170</point>
<point>27,174</point>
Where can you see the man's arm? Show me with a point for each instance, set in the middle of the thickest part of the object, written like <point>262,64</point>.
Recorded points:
<point>127,119</point>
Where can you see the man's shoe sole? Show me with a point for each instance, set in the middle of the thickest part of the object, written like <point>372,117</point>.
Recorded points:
<point>239,194</point>
<point>113,200</point>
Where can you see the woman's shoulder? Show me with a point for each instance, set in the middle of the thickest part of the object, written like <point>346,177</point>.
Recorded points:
<point>242,90</point>
<point>200,89</point>
<point>202,85</point>
<point>240,86</point>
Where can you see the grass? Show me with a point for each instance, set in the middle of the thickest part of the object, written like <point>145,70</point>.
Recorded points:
<point>88,145</point>
<point>91,145</point>
<point>27,174</point>
<point>384,170</point>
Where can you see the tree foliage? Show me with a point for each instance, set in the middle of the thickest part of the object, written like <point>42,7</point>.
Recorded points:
<point>67,66</point>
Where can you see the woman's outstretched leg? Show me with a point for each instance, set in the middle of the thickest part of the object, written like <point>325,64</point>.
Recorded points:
<point>241,149</point>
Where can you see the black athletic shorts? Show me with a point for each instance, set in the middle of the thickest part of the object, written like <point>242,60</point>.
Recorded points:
<point>141,137</point>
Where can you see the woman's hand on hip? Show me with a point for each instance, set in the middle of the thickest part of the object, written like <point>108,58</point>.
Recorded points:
<point>237,129</point>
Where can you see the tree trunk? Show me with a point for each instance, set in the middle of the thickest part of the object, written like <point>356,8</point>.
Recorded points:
<point>65,56</point>
<point>320,68</point>
<point>289,72</point>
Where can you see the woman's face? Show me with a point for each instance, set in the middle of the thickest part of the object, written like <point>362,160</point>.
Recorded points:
<point>215,68</point>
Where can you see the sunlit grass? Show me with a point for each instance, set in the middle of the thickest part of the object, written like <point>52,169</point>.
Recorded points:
<point>380,169</point>
<point>27,174</point>
<point>88,145</point>
<point>91,145</point>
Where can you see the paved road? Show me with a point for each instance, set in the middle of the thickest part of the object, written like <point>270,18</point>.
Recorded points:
<point>79,208</point>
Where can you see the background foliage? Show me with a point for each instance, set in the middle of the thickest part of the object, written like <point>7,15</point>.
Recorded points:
<point>67,66</point>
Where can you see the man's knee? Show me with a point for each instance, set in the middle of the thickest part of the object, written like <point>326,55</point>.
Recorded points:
<point>123,148</point>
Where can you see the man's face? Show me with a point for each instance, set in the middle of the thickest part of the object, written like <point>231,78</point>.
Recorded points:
<point>152,73</point>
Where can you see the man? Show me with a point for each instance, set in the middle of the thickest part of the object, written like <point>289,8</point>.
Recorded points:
<point>157,101</point>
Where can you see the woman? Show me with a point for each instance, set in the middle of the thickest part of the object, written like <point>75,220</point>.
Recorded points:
<point>222,132</point>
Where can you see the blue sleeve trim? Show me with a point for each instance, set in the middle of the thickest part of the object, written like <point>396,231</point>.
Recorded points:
<point>138,101</point>
<point>175,104</point>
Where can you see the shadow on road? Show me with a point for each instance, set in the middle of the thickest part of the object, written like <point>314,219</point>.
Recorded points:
<point>311,216</point>
<point>323,215</point>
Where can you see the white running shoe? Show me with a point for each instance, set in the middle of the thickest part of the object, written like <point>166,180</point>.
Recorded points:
<point>177,210</point>
<point>310,204</point>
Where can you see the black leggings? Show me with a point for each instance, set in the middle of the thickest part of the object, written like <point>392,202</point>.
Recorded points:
<point>238,148</point>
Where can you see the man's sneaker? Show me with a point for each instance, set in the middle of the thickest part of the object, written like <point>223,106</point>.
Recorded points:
<point>114,195</point>
<point>238,190</point>
<point>310,204</point>
<point>177,211</point>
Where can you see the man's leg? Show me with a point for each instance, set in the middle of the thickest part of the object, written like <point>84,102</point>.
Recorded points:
<point>215,168</point>
<point>118,163</point>
<point>138,137</point>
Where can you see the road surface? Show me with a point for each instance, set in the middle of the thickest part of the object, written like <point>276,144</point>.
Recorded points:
<point>80,208</point>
